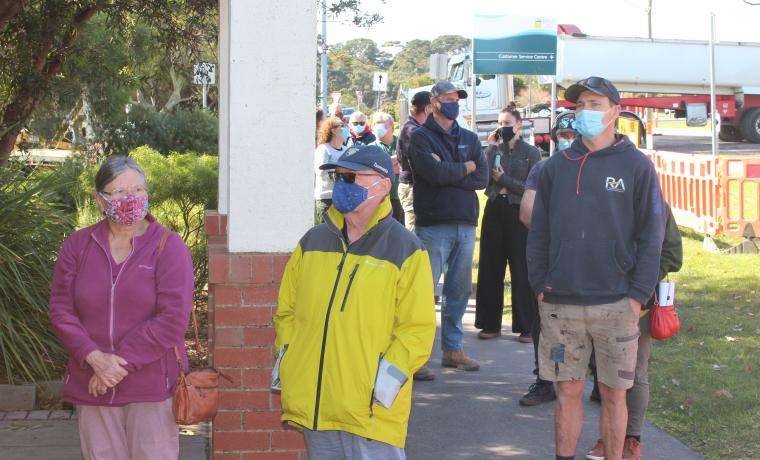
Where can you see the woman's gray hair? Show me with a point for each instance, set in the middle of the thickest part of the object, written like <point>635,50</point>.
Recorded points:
<point>112,168</point>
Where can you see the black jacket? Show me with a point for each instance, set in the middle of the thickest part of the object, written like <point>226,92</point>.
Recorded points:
<point>404,139</point>
<point>598,226</point>
<point>516,163</point>
<point>443,191</point>
<point>366,138</point>
<point>671,257</point>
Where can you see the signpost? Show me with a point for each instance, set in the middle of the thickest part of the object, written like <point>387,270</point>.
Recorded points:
<point>529,48</point>
<point>379,85</point>
<point>204,73</point>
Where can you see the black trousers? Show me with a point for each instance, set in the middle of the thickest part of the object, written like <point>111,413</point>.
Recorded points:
<point>503,239</point>
<point>398,210</point>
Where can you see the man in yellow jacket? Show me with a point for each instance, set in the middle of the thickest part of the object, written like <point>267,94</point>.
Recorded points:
<point>355,319</point>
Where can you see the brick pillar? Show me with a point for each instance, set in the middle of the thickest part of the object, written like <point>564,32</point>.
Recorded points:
<point>243,289</point>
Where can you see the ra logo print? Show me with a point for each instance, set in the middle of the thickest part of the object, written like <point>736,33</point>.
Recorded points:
<point>615,185</point>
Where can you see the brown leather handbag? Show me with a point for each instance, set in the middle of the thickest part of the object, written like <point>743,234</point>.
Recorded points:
<point>196,396</point>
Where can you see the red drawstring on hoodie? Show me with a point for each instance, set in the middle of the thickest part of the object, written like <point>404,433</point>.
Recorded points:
<point>580,170</point>
<point>583,163</point>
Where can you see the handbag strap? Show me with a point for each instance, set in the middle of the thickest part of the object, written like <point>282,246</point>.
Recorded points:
<point>196,335</point>
<point>161,247</point>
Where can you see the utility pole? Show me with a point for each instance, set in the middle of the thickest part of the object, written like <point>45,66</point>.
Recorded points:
<point>713,104</point>
<point>323,79</point>
<point>649,19</point>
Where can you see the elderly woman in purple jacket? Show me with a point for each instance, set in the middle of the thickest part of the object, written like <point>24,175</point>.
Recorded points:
<point>120,305</point>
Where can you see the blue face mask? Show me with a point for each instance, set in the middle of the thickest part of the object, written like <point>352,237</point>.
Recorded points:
<point>589,123</point>
<point>450,110</point>
<point>380,130</point>
<point>564,144</point>
<point>347,197</point>
<point>345,132</point>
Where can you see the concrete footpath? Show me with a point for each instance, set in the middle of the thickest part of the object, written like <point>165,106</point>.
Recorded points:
<point>24,438</point>
<point>477,415</point>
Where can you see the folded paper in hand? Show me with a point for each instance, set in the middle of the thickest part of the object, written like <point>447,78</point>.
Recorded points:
<point>389,381</point>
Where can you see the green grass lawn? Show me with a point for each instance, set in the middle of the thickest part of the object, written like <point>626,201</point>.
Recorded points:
<point>705,381</point>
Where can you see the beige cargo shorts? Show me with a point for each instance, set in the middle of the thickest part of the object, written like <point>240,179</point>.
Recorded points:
<point>567,334</point>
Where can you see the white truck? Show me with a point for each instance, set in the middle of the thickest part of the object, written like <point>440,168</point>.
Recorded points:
<point>671,74</point>
<point>493,93</point>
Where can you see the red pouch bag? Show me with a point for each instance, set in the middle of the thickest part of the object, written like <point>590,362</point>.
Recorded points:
<point>663,321</point>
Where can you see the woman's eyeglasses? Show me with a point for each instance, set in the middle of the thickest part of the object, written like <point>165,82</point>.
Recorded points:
<point>122,192</point>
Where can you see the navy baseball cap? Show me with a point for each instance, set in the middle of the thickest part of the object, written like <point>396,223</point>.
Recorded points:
<point>364,157</point>
<point>598,85</point>
<point>443,87</point>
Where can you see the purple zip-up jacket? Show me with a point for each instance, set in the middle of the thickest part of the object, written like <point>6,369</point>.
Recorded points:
<point>141,316</point>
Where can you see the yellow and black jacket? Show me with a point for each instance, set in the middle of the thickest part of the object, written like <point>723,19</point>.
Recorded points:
<point>342,308</point>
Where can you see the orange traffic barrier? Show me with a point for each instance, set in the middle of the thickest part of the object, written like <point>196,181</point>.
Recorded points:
<point>711,195</point>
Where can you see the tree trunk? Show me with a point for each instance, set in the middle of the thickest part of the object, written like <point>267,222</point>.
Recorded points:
<point>9,9</point>
<point>45,66</point>
<point>178,84</point>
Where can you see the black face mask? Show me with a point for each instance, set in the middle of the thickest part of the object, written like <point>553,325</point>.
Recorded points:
<point>506,133</point>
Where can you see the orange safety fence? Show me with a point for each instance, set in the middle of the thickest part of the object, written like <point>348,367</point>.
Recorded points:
<point>711,195</point>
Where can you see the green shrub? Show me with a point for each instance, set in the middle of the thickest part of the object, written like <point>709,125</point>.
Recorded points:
<point>178,131</point>
<point>35,216</point>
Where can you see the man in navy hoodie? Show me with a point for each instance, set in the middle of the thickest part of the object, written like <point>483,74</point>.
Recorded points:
<point>593,258</point>
<point>448,165</point>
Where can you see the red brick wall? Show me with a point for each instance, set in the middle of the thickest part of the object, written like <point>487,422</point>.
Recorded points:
<point>243,292</point>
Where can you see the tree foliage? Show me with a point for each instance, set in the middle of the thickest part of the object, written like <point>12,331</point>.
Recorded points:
<point>39,37</point>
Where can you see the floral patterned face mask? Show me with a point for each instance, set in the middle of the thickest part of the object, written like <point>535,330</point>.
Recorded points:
<point>127,210</point>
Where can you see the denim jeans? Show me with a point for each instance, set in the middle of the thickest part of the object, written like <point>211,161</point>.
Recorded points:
<point>451,246</point>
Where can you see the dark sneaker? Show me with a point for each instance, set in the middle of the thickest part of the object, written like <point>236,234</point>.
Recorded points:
<point>631,449</point>
<point>424,374</point>
<point>538,393</point>
<point>597,453</point>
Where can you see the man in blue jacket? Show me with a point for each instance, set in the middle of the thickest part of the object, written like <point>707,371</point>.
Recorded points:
<point>593,258</point>
<point>448,165</point>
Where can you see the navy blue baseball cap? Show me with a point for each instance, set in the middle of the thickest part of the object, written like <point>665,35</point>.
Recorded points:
<point>444,87</point>
<point>364,157</point>
<point>598,85</point>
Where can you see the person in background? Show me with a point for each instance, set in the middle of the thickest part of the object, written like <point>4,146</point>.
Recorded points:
<point>382,128</point>
<point>593,255</point>
<point>502,236</point>
<point>563,132</point>
<point>320,118</point>
<point>121,297</point>
<point>361,131</point>
<point>354,319</point>
<point>637,397</point>
<point>542,390</point>
<point>330,139</point>
<point>419,111</point>
<point>448,166</point>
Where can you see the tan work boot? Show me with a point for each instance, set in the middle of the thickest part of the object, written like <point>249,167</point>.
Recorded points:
<point>424,374</point>
<point>459,360</point>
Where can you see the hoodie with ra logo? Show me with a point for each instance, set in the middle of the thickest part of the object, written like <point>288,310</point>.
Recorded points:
<point>597,227</point>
